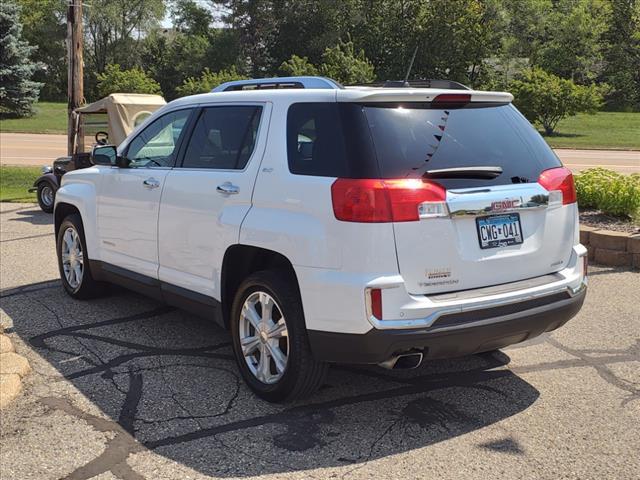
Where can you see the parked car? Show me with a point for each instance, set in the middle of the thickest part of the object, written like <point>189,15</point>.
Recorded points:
<point>110,119</point>
<point>323,224</point>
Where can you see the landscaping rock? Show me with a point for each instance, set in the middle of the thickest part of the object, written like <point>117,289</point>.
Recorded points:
<point>612,258</point>
<point>585,232</point>
<point>633,244</point>
<point>10,387</point>
<point>5,344</point>
<point>609,240</point>
<point>11,362</point>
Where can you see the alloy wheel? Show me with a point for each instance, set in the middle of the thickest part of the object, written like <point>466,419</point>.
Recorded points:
<point>72,257</point>
<point>264,338</point>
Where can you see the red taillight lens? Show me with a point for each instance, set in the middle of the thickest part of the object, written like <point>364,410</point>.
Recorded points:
<point>376,303</point>
<point>375,201</point>
<point>452,98</point>
<point>559,179</point>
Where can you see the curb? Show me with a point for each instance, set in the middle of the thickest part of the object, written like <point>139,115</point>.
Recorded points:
<point>13,368</point>
<point>613,249</point>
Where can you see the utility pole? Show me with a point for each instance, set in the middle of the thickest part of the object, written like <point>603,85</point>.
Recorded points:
<point>75,85</point>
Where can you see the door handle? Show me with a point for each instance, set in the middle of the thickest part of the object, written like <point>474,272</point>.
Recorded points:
<point>151,183</point>
<point>228,188</point>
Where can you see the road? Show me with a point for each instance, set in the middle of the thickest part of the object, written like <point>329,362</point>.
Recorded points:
<point>31,149</point>
<point>125,388</point>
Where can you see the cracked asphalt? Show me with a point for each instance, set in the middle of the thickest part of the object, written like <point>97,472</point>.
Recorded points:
<point>126,388</point>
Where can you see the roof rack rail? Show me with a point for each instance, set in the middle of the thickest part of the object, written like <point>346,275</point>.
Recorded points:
<point>278,83</point>
<point>423,83</point>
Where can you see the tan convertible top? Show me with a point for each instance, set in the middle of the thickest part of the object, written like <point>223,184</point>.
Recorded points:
<point>125,111</point>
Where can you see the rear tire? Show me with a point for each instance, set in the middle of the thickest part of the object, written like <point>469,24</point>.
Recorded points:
<point>273,340</point>
<point>73,261</point>
<point>46,196</point>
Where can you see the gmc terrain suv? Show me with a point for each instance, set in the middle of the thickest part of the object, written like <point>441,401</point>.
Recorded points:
<point>325,224</point>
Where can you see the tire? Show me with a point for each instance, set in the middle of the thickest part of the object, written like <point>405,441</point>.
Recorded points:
<point>302,374</point>
<point>81,286</point>
<point>46,196</point>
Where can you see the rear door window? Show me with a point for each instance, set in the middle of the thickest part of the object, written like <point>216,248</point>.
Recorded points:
<point>223,138</point>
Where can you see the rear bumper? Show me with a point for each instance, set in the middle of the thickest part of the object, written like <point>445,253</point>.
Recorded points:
<point>488,329</point>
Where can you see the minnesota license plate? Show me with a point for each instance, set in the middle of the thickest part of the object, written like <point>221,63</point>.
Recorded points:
<point>499,230</point>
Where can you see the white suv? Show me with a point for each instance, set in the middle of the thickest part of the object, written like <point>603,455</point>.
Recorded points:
<point>326,224</point>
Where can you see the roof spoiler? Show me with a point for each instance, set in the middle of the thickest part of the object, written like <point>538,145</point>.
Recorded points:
<point>279,83</point>
<point>424,83</point>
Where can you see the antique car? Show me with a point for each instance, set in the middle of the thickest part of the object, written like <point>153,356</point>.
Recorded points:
<point>108,120</point>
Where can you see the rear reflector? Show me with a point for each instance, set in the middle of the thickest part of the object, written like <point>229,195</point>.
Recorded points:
<point>376,303</point>
<point>380,201</point>
<point>559,180</point>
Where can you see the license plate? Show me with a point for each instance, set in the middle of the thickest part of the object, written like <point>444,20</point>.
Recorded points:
<point>499,230</point>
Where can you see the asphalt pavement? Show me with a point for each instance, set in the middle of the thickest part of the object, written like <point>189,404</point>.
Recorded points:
<point>34,149</point>
<point>125,388</point>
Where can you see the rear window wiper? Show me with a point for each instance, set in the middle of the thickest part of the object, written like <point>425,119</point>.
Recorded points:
<point>487,173</point>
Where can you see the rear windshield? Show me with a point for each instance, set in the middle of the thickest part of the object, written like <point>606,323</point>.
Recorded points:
<point>405,141</point>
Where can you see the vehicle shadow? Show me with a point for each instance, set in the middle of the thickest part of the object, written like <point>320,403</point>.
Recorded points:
<point>169,384</point>
<point>34,216</point>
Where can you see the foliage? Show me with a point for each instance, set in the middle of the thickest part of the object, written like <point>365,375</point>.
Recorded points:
<point>18,91</point>
<point>44,26</point>
<point>344,64</point>
<point>207,81</point>
<point>298,66</point>
<point>573,39</point>
<point>611,192</point>
<point>546,99</point>
<point>622,52</point>
<point>134,80</point>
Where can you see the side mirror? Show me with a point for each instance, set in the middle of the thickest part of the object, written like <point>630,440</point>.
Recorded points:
<point>104,155</point>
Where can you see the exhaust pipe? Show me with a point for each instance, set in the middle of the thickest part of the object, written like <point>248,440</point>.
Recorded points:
<point>404,361</point>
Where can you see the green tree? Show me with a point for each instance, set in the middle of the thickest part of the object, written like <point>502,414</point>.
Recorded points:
<point>573,44</point>
<point>18,91</point>
<point>545,99</point>
<point>134,80</point>
<point>190,17</point>
<point>44,25</point>
<point>622,55</point>
<point>207,81</point>
<point>344,64</point>
<point>297,66</point>
<point>114,27</point>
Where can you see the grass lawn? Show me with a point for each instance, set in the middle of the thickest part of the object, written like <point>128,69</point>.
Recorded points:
<point>15,181</point>
<point>615,130</point>
<point>50,117</point>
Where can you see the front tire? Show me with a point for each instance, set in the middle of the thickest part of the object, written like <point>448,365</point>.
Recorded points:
<point>73,261</point>
<point>46,196</point>
<point>270,339</point>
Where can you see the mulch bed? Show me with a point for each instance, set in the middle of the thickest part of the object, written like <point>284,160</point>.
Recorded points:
<point>597,219</point>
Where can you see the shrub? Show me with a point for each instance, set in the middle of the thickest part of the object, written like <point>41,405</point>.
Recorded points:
<point>115,80</point>
<point>343,64</point>
<point>545,99</point>
<point>297,66</point>
<point>612,193</point>
<point>207,81</point>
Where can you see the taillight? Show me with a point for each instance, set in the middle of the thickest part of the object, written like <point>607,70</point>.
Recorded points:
<point>378,201</point>
<point>559,180</point>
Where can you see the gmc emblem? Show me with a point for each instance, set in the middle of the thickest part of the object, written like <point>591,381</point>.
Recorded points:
<point>506,204</point>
